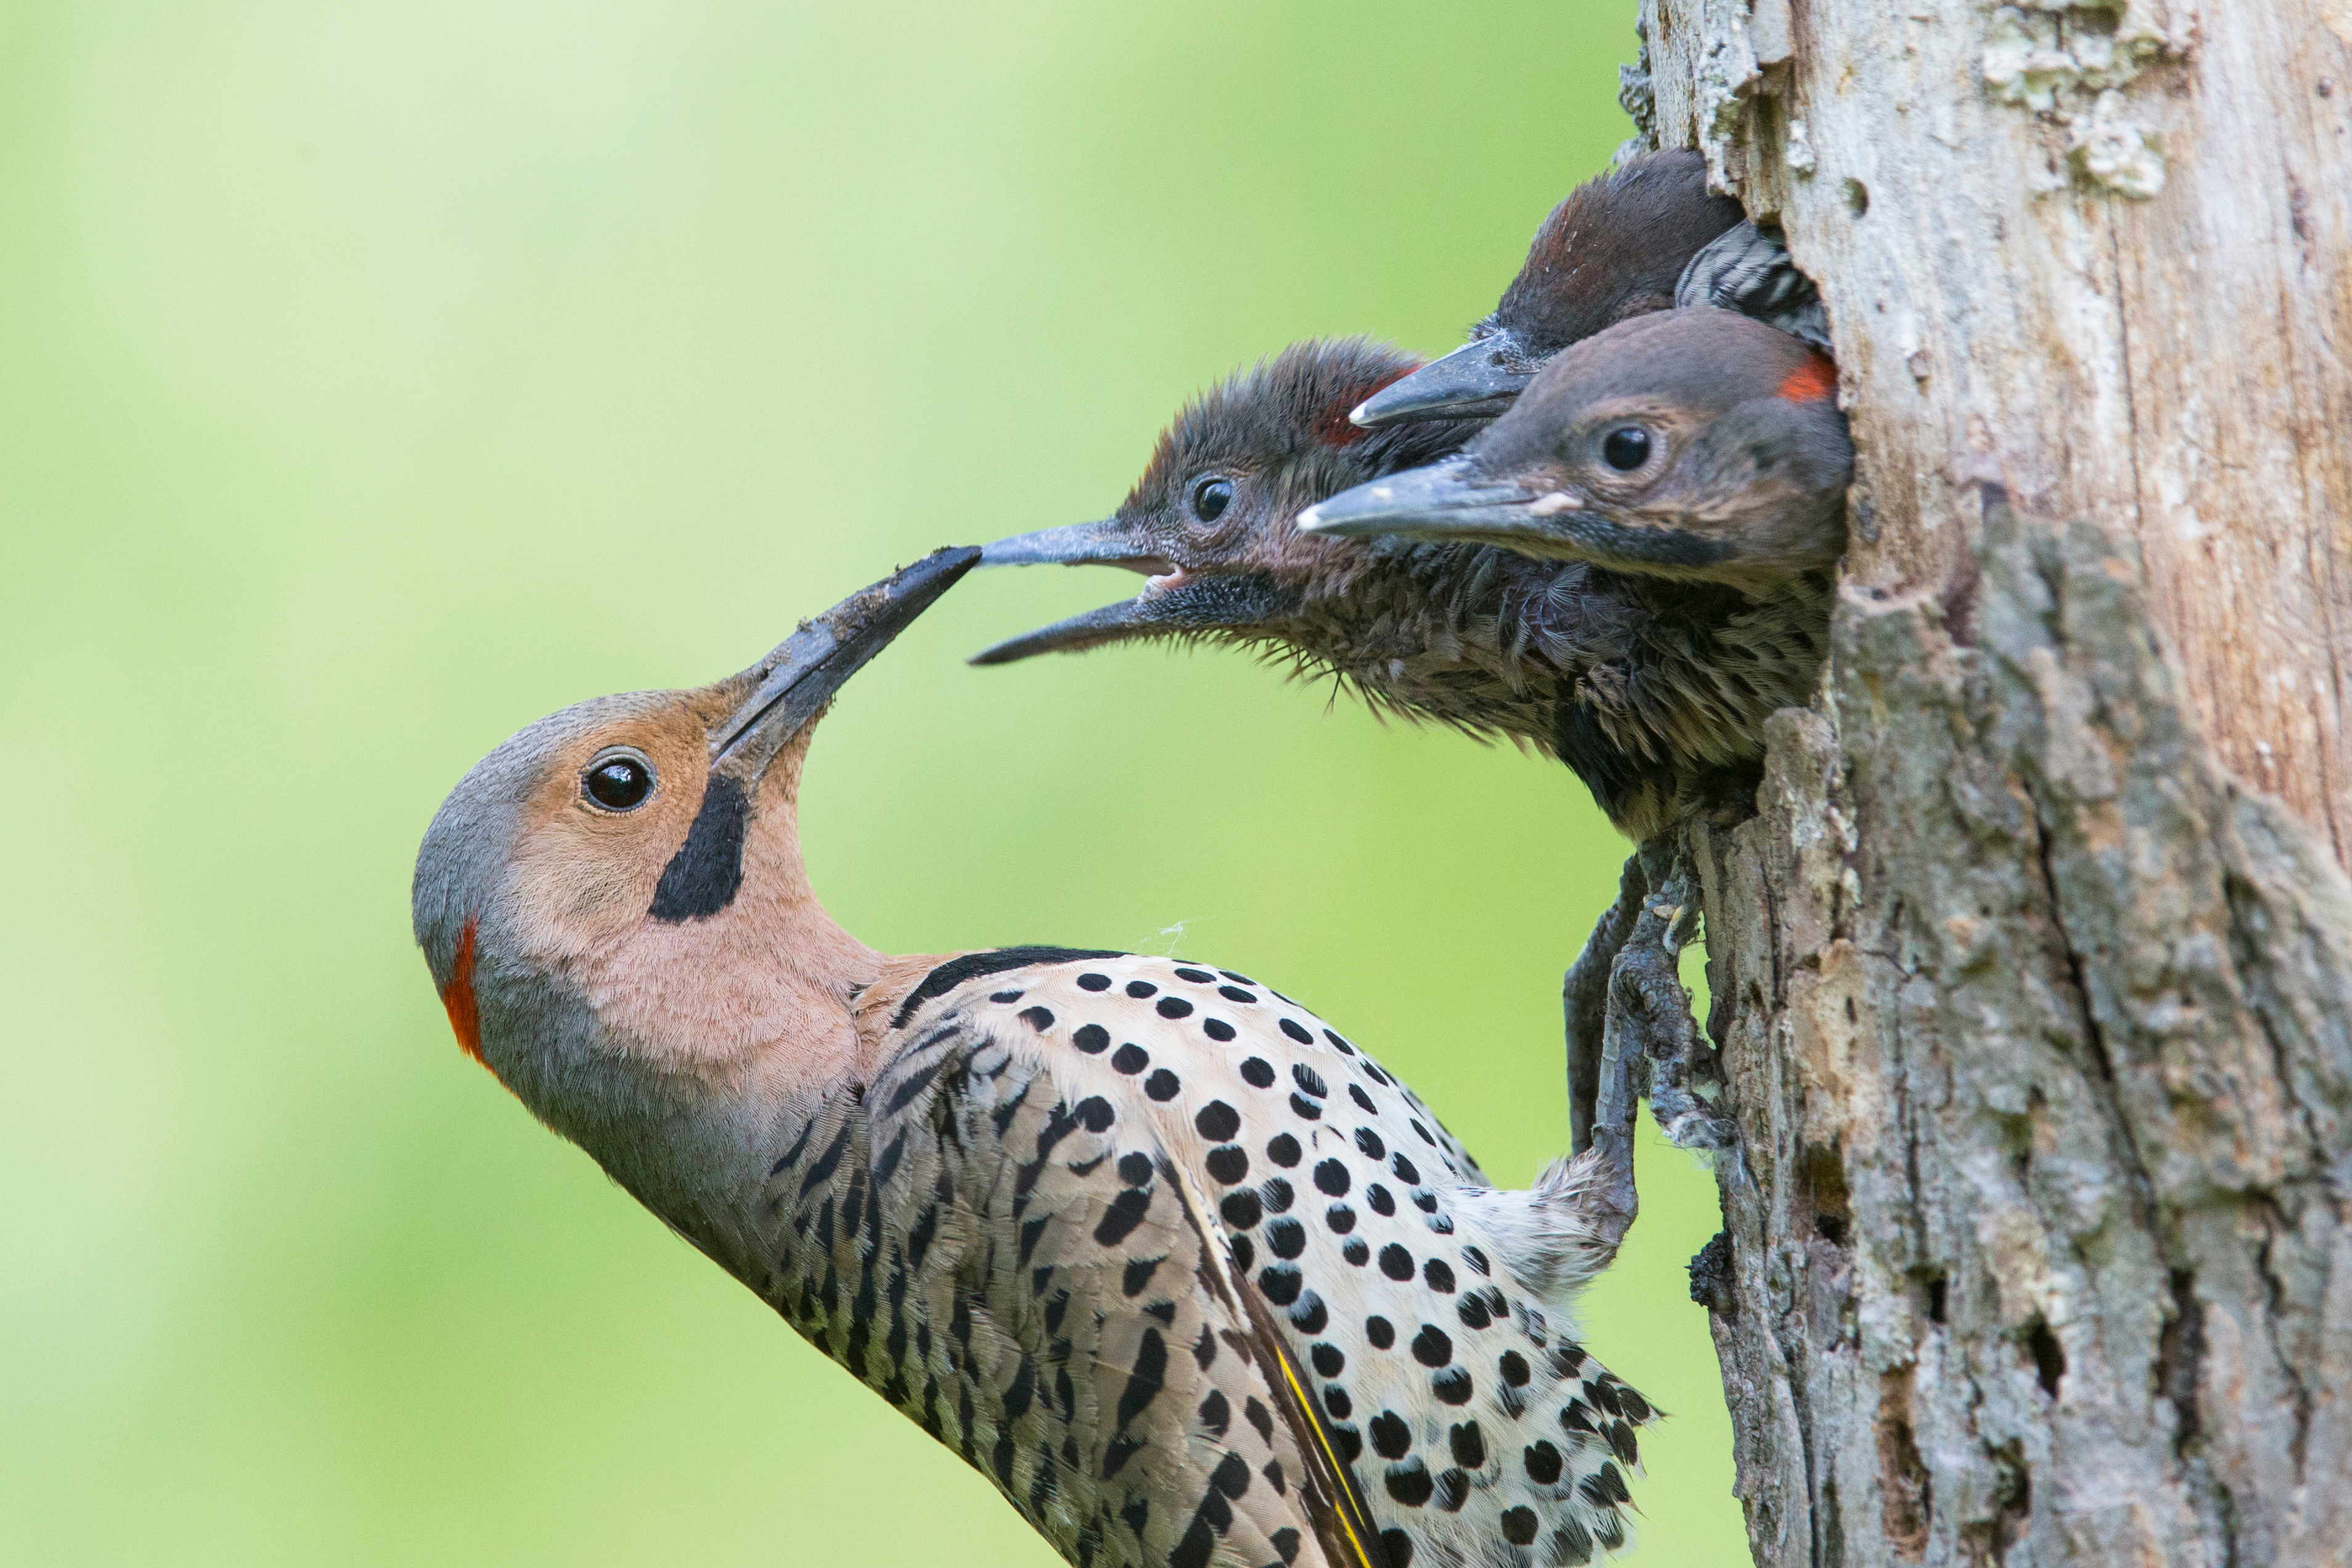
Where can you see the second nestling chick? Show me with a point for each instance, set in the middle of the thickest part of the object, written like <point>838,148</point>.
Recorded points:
<point>1648,689</point>
<point>1644,237</point>
<point>1701,452</point>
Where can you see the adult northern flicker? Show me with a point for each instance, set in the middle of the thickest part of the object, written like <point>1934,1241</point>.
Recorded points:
<point>1178,1268</point>
<point>1644,237</point>
<point>1696,447</point>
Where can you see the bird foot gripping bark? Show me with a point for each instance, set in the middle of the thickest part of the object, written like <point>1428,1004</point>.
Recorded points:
<point>1650,1016</point>
<point>1625,1004</point>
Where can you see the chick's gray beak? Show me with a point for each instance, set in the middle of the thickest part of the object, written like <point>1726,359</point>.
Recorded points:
<point>804,671</point>
<point>1481,378</point>
<point>1170,605</point>
<point>1444,501</point>
<point>1103,544</point>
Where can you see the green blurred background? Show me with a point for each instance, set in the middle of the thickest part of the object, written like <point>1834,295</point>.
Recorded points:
<point>381,376</point>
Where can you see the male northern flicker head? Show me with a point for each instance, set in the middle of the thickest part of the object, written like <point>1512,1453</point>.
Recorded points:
<point>1185,1273</point>
<point>1210,521</point>
<point>616,894</point>
<point>1694,445</point>
<point>1614,248</point>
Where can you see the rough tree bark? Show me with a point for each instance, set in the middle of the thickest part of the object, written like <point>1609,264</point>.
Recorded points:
<point>2034,976</point>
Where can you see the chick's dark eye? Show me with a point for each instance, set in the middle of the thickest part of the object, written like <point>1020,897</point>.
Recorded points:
<point>1625,448</point>
<point>1210,498</point>
<point>618,783</point>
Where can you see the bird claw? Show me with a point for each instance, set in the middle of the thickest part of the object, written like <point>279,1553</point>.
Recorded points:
<point>1649,1014</point>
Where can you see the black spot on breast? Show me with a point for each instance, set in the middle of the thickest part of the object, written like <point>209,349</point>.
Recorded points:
<point>1305,1108</point>
<point>1421,1131</point>
<point>1520,1525</point>
<point>1331,1178</point>
<point>973,965</point>
<point>1245,1254</point>
<point>1543,1463</point>
<point>1397,1264</point>
<point>1173,1007</point>
<point>1004,995</point>
<point>1095,1115</point>
<point>1392,1439</point>
<point>1130,1059</point>
<point>1453,1489</point>
<point>1228,1162</point>
<point>1368,1142</point>
<point>1514,1368</point>
<point>1135,1168</point>
<point>1379,1332</point>
<point>1474,1313</point>
<point>1217,1030</point>
<point>1197,977</point>
<point>1241,1210</point>
<point>1399,1545</point>
<point>1310,1316</point>
<point>1363,1101</point>
<point>1372,1071</point>
<point>1340,1218</point>
<point>1338,1044</point>
<point>1258,1073</point>
<point>1430,1347</point>
<point>1140,989</point>
<point>1283,1150</point>
<point>1383,1200</point>
<point>1438,1276</point>
<point>1163,1085</point>
<point>1286,1238</point>
<point>1038,1019</point>
<point>1281,1283</point>
<point>1308,1079</point>
<point>1298,1031</point>
<point>1336,1402</point>
<point>1452,1386</point>
<point>1406,1170</point>
<point>1218,1122</point>
<point>1091,1038</point>
<point>1236,993</point>
<point>1356,1250</point>
<point>1427,1202</point>
<point>1410,1483</point>
<point>1276,1193</point>
<point>1092,982</point>
<point>1475,1259</point>
<point>1469,1445</point>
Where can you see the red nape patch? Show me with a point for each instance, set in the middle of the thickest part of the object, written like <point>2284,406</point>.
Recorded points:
<point>1810,381</point>
<point>1334,428</point>
<point>457,996</point>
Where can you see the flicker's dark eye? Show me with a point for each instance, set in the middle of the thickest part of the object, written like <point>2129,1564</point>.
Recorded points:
<point>1625,448</point>
<point>1210,498</point>
<point>617,780</point>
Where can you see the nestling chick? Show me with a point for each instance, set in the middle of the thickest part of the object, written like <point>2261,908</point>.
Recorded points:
<point>1697,445</point>
<point>1645,687</point>
<point>1642,238</point>
<point>1188,1277</point>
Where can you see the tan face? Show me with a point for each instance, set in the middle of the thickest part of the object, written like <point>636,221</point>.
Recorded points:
<point>609,810</point>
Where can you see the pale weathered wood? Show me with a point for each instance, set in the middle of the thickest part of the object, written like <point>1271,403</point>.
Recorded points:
<point>2034,974</point>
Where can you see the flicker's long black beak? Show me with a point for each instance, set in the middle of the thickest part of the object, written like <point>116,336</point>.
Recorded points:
<point>803,673</point>
<point>1444,501</point>
<point>1482,378</point>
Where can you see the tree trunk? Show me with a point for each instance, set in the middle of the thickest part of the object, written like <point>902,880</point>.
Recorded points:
<point>2034,974</point>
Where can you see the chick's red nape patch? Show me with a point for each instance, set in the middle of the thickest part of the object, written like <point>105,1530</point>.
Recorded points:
<point>1810,381</point>
<point>457,996</point>
<point>1334,428</point>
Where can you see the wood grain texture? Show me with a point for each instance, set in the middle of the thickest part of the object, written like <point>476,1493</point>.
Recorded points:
<point>2032,976</point>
